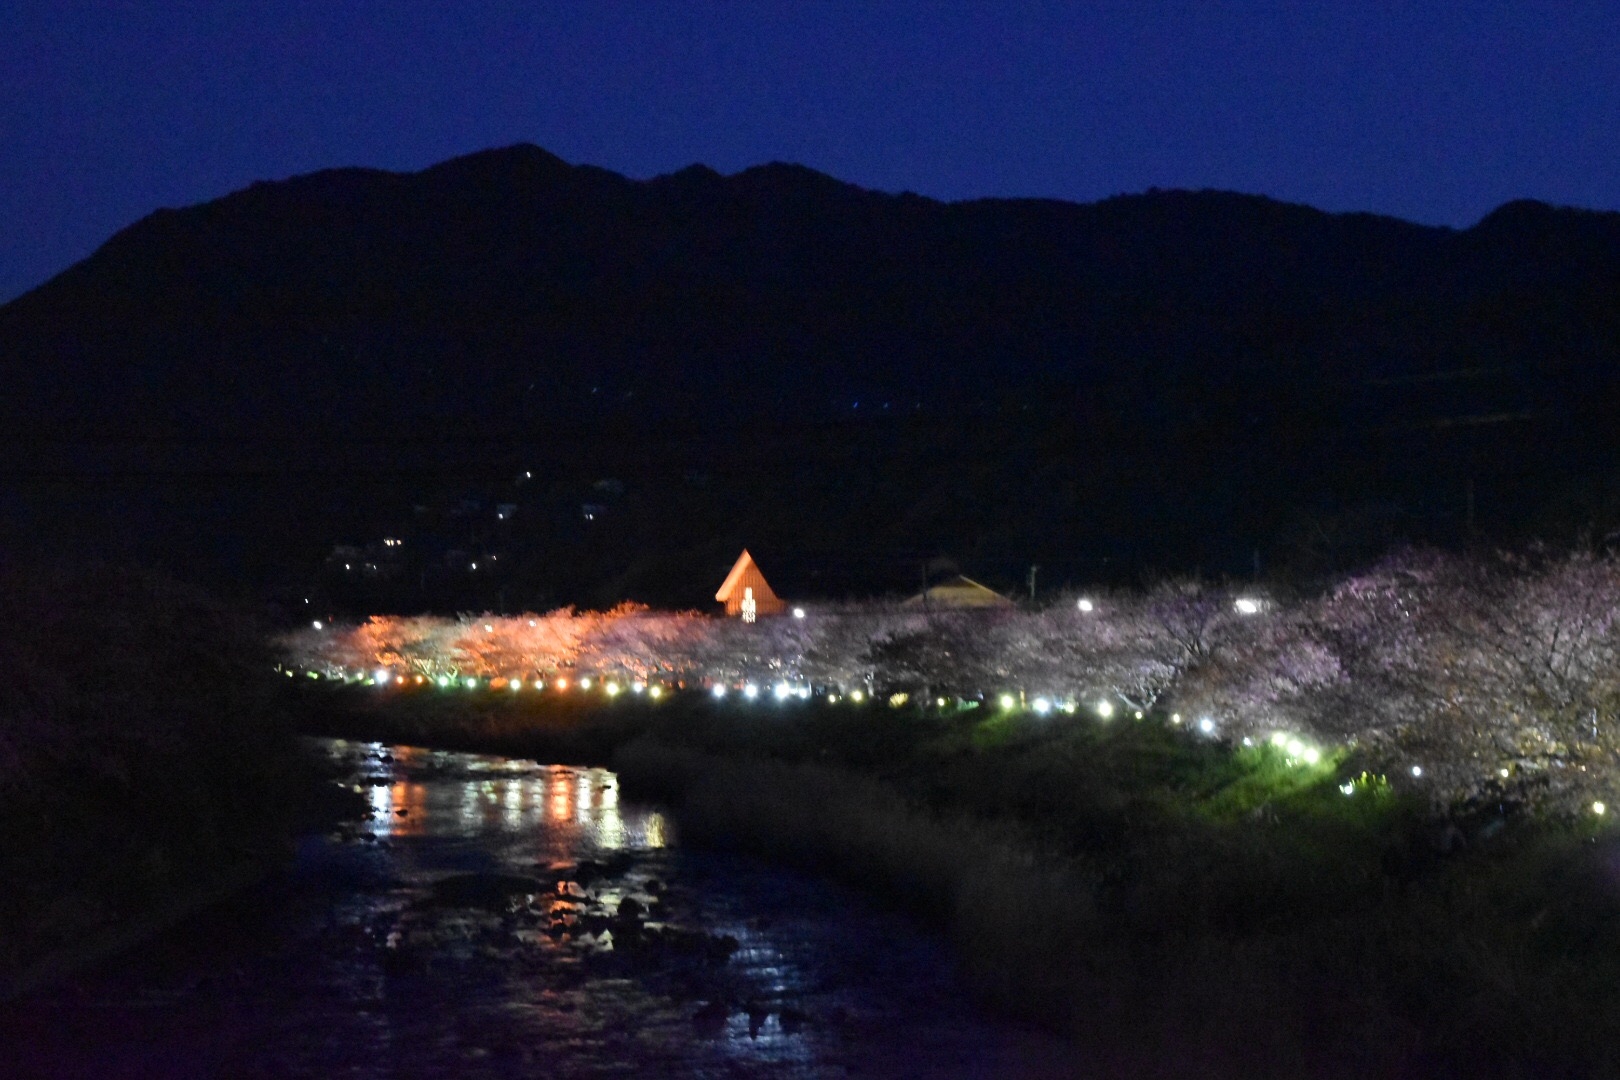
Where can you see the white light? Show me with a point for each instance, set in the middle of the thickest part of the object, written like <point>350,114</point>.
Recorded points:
<point>585,683</point>
<point>1279,740</point>
<point>655,692</point>
<point>1087,605</point>
<point>750,691</point>
<point>1295,748</point>
<point>1348,787</point>
<point>798,613</point>
<point>857,697</point>
<point>562,684</point>
<point>319,625</point>
<point>638,687</point>
<point>1247,741</point>
<point>1105,709</point>
<point>1502,773</point>
<point>1599,809</point>
<point>489,628</point>
<point>472,683</point>
<point>1175,718</point>
<point>940,702</point>
<point>1139,714</point>
<point>782,690</point>
<point>533,623</point>
<point>1246,606</point>
<point>383,676</point>
<point>1042,706</point>
<point>612,689</point>
<point>1312,755</point>
<point>718,691</point>
<point>515,684</point>
<point>1206,725</point>
<point>804,693</point>
<point>1417,770</point>
<point>1008,701</point>
<point>444,680</point>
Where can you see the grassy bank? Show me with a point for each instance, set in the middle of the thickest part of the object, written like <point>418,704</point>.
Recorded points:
<point>145,766</point>
<point>1177,907</point>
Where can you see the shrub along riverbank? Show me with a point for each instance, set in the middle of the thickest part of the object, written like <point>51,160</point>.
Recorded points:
<point>1174,905</point>
<point>145,765</point>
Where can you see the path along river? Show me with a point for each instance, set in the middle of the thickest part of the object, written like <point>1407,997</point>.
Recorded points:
<point>498,918</point>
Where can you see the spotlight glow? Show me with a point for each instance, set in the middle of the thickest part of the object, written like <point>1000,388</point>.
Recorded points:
<point>718,690</point>
<point>318,625</point>
<point>383,677</point>
<point>1087,605</point>
<point>1599,809</point>
<point>585,683</point>
<point>1247,606</point>
<point>750,691</point>
<point>1206,725</point>
<point>1007,701</point>
<point>798,613</point>
<point>1417,770</point>
<point>612,689</point>
<point>857,697</point>
<point>655,692</point>
<point>1105,709</point>
<point>1042,706</point>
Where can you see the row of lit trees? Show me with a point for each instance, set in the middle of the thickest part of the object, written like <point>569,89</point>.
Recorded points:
<point>1477,677</point>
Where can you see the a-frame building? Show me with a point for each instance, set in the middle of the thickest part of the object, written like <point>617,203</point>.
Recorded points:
<point>747,593</point>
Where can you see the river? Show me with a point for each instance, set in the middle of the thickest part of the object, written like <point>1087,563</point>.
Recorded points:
<point>499,918</point>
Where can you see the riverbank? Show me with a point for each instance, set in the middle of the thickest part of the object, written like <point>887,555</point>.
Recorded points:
<point>145,767</point>
<point>1168,903</point>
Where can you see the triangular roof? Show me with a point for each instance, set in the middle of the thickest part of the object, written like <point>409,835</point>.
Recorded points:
<point>738,569</point>
<point>960,591</point>
<point>747,593</point>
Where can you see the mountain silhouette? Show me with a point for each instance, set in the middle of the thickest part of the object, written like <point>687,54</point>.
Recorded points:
<point>1119,359</point>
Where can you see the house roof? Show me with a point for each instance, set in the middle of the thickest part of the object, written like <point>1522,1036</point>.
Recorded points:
<point>959,591</point>
<point>738,569</point>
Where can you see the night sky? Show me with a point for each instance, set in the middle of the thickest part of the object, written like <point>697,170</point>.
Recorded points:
<point>1435,112</point>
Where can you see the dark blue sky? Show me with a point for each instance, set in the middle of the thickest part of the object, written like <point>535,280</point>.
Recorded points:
<point>1430,111</point>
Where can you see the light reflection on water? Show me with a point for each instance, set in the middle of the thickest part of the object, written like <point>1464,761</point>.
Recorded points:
<point>434,793</point>
<point>355,969</point>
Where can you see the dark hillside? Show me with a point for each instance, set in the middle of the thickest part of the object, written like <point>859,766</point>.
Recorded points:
<point>1169,379</point>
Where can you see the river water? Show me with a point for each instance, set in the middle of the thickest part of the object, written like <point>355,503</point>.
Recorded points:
<point>498,918</point>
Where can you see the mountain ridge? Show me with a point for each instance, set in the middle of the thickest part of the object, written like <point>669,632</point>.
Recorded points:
<point>1035,359</point>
